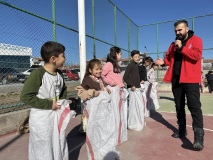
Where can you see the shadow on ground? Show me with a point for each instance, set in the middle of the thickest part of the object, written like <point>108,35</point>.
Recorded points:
<point>75,140</point>
<point>168,98</point>
<point>159,118</point>
<point>4,146</point>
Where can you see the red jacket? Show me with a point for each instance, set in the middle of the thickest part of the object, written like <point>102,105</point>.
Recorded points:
<point>191,62</point>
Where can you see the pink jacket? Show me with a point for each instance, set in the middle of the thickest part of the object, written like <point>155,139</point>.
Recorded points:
<point>109,76</point>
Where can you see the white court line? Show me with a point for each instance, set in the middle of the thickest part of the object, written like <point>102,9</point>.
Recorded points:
<point>189,125</point>
<point>186,113</point>
<point>203,128</point>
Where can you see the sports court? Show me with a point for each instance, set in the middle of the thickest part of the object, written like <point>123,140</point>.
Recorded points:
<point>152,143</point>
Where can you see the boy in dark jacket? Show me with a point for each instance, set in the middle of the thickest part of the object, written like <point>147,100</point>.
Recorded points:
<point>131,75</point>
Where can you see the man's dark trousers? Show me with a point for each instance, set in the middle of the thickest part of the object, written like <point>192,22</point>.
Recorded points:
<point>192,94</point>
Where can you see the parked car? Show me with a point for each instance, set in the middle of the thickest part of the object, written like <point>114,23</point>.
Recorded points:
<point>35,66</point>
<point>71,74</point>
<point>28,71</point>
<point>64,72</point>
<point>77,70</point>
<point>8,75</point>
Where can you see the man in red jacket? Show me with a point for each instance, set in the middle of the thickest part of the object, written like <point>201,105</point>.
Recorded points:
<point>184,60</point>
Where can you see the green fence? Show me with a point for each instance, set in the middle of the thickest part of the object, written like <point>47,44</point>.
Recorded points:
<point>25,25</point>
<point>158,36</point>
<point>31,23</point>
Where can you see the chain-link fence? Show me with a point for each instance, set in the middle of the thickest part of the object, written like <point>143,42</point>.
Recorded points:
<point>26,25</point>
<point>156,38</point>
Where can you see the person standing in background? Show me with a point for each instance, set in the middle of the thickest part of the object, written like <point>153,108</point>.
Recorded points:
<point>142,67</point>
<point>184,60</point>
<point>152,94</point>
<point>201,83</point>
<point>146,61</point>
<point>209,78</point>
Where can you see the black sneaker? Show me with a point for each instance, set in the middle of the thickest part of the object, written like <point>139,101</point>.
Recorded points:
<point>180,134</point>
<point>198,139</point>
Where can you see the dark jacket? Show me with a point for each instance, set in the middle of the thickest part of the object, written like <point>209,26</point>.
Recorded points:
<point>209,77</point>
<point>142,73</point>
<point>131,75</point>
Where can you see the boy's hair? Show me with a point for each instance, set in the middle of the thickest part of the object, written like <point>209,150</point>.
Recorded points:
<point>49,49</point>
<point>154,64</point>
<point>112,57</point>
<point>134,52</point>
<point>91,65</point>
<point>181,21</point>
<point>148,59</point>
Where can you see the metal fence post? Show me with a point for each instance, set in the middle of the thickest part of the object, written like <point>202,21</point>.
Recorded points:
<point>129,39</point>
<point>93,28</point>
<point>54,20</point>
<point>157,48</point>
<point>115,26</point>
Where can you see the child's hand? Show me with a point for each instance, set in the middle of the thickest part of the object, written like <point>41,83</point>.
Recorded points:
<point>133,88</point>
<point>55,106</point>
<point>142,82</point>
<point>97,93</point>
<point>108,90</point>
<point>113,84</point>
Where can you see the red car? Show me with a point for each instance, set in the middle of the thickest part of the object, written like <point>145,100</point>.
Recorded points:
<point>71,74</point>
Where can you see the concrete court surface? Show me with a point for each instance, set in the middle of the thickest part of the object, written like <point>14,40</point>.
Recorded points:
<point>154,142</point>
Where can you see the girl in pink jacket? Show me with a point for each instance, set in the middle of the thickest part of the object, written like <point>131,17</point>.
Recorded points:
<point>111,75</point>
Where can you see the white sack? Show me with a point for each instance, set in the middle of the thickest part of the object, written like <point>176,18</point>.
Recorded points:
<point>100,137</point>
<point>136,110</point>
<point>144,99</point>
<point>47,139</point>
<point>119,107</point>
<point>153,100</point>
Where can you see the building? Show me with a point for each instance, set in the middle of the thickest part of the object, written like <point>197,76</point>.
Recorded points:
<point>13,56</point>
<point>36,62</point>
<point>207,64</point>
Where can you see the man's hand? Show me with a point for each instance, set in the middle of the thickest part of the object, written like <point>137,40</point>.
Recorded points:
<point>142,82</point>
<point>178,44</point>
<point>159,61</point>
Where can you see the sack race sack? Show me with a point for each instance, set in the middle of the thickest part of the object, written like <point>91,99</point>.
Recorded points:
<point>136,110</point>
<point>100,137</point>
<point>47,139</point>
<point>153,103</point>
<point>144,99</point>
<point>119,107</point>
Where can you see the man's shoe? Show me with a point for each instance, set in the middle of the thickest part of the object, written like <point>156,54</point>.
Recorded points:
<point>198,145</point>
<point>180,134</point>
<point>198,139</point>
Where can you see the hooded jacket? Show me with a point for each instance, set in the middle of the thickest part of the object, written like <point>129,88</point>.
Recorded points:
<point>191,61</point>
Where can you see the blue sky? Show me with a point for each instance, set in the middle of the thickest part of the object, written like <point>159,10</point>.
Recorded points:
<point>26,30</point>
<point>152,11</point>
